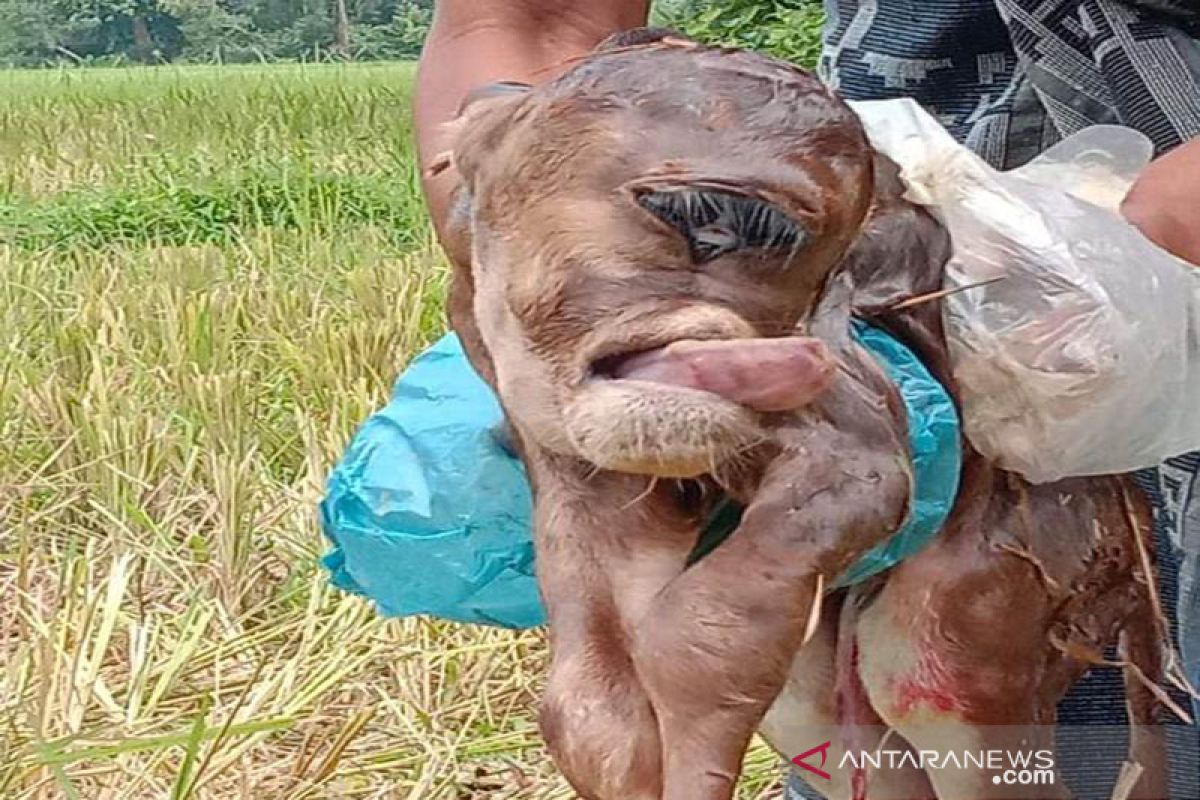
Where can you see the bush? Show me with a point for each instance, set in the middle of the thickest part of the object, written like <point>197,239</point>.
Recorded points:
<point>402,37</point>
<point>789,29</point>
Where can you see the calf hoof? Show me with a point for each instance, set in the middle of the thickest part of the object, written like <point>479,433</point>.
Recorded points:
<point>605,742</point>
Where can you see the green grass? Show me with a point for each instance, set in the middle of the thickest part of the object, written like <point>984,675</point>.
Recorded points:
<point>217,209</point>
<point>210,278</point>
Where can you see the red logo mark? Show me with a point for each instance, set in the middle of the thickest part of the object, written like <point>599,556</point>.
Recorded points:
<point>823,749</point>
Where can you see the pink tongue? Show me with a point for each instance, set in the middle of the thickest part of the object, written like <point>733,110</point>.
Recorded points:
<point>763,374</point>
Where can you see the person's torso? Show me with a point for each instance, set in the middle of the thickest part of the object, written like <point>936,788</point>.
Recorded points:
<point>1011,77</point>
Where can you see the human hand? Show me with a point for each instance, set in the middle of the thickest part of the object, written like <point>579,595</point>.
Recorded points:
<point>1164,202</point>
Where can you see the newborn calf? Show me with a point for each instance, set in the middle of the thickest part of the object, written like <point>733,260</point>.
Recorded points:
<point>666,246</point>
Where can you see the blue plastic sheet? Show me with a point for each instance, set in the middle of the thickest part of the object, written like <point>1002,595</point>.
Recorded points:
<point>429,514</point>
<point>934,446</point>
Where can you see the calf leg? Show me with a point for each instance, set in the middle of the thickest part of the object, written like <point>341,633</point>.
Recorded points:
<point>715,648</point>
<point>811,710</point>
<point>926,697</point>
<point>605,547</point>
<point>1141,651</point>
<point>954,655</point>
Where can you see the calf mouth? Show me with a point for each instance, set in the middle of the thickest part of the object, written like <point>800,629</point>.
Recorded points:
<point>680,393</point>
<point>762,374</point>
<point>648,428</point>
<point>686,407</point>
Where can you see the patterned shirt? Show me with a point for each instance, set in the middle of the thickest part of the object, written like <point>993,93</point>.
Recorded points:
<point>1012,77</point>
<point>1009,78</point>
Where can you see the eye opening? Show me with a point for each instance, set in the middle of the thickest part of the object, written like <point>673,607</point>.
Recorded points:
<point>717,223</point>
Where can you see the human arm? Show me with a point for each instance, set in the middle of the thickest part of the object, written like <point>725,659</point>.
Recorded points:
<point>1164,202</point>
<point>476,42</point>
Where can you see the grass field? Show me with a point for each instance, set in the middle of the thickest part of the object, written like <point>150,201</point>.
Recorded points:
<point>209,278</point>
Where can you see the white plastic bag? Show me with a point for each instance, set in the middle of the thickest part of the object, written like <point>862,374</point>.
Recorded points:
<point>1082,355</point>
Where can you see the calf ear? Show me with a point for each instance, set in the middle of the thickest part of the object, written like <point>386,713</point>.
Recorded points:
<point>901,251</point>
<point>901,254</point>
<point>481,123</point>
<point>474,109</point>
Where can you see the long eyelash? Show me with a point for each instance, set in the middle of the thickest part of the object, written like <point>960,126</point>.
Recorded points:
<point>667,207</point>
<point>716,223</point>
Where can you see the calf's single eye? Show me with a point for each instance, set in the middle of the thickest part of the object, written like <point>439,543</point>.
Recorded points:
<point>717,223</point>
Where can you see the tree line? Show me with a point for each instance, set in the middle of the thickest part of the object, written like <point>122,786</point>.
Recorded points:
<point>46,32</point>
<point>37,32</point>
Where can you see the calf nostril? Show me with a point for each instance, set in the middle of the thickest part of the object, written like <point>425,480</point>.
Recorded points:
<point>610,367</point>
<point>606,367</point>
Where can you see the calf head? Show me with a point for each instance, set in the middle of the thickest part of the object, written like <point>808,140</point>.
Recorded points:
<point>657,195</point>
